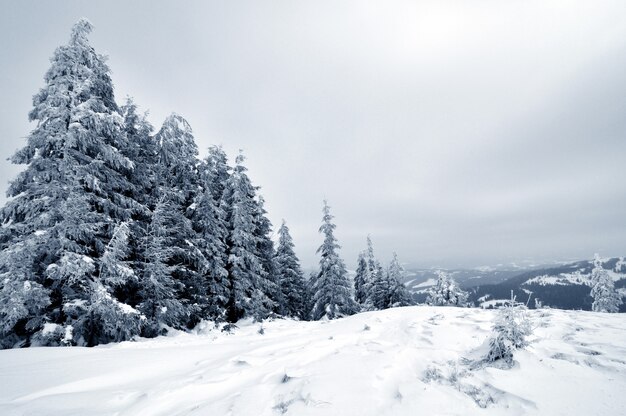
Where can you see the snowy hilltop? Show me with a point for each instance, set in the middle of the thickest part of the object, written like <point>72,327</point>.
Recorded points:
<point>401,361</point>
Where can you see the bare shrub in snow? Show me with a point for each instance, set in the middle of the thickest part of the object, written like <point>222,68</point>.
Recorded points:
<point>432,374</point>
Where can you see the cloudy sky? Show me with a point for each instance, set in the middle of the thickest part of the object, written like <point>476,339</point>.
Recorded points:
<point>458,134</point>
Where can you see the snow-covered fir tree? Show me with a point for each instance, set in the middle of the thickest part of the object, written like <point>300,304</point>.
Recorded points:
<point>379,295</point>
<point>218,172</point>
<point>71,196</point>
<point>268,282</point>
<point>509,333</point>
<point>309,286</point>
<point>244,266</point>
<point>160,290</point>
<point>361,279</point>
<point>178,184</point>
<point>605,297</point>
<point>375,284</point>
<point>376,289</point>
<point>398,293</point>
<point>141,148</point>
<point>372,265</point>
<point>290,277</point>
<point>109,319</point>
<point>446,292</point>
<point>332,296</point>
<point>209,222</point>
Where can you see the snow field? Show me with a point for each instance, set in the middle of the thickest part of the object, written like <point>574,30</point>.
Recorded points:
<point>402,361</point>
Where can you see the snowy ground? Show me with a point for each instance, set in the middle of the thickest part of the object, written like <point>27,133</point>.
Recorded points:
<point>404,361</point>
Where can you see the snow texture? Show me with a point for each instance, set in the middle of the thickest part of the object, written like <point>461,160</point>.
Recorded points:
<point>401,361</point>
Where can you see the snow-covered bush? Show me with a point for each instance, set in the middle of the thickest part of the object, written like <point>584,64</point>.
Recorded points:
<point>510,329</point>
<point>52,335</point>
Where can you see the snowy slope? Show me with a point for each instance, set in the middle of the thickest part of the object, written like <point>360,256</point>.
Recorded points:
<point>404,361</point>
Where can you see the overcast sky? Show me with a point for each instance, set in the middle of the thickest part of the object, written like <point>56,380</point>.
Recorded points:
<point>458,134</point>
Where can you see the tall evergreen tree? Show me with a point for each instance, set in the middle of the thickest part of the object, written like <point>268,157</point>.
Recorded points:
<point>605,297</point>
<point>141,149</point>
<point>209,221</point>
<point>73,192</point>
<point>309,286</point>
<point>332,298</point>
<point>268,282</point>
<point>23,297</point>
<point>246,296</point>
<point>361,280</point>
<point>217,172</point>
<point>178,185</point>
<point>375,286</point>
<point>160,291</point>
<point>290,277</point>
<point>398,294</point>
<point>379,296</point>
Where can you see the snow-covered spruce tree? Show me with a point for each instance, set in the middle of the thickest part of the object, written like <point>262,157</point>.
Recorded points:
<point>246,274</point>
<point>398,294</point>
<point>309,289</point>
<point>290,277</point>
<point>446,292</point>
<point>605,297</point>
<point>141,148</point>
<point>375,285</point>
<point>107,318</point>
<point>74,191</point>
<point>160,290</point>
<point>177,186</point>
<point>177,155</point>
<point>268,282</point>
<point>360,280</point>
<point>332,298</point>
<point>379,296</point>
<point>23,301</point>
<point>510,329</point>
<point>372,264</point>
<point>209,222</point>
<point>217,172</point>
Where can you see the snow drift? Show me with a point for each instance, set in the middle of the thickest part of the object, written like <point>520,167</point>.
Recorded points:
<point>402,361</point>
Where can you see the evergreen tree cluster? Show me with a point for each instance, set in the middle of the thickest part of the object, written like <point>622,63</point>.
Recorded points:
<point>114,230</point>
<point>376,288</point>
<point>446,292</point>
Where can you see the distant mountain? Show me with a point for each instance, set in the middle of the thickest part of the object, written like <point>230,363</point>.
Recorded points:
<point>564,287</point>
<point>422,278</point>
<point>418,281</point>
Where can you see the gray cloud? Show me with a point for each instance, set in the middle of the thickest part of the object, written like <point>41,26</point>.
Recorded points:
<point>456,133</point>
